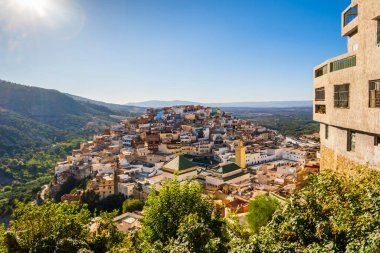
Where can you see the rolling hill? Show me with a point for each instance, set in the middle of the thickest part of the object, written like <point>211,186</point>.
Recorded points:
<point>31,117</point>
<point>267,104</point>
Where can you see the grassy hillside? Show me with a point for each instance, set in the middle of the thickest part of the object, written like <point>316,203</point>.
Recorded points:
<point>39,127</point>
<point>32,117</point>
<point>49,107</point>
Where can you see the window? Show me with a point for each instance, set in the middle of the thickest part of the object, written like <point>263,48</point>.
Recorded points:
<point>343,63</point>
<point>326,132</point>
<point>350,15</point>
<point>321,109</point>
<point>377,140</point>
<point>351,142</point>
<point>341,96</point>
<point>378,31</point>
<point>374,94</point>
<point>321,71</point>
<point>320,94</point>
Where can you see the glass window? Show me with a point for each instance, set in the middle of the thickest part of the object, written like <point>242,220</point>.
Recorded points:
<point>326,132</point>
<point>321,71</point>
<point>378,31</point>
<point>321,109</point>
<point>320,94</point>
<point>377,140</point>
<point>343,63</point>
<point>341,95</point>
<point>350,15</point>
<point>374,94</point>
<point>351,141</point>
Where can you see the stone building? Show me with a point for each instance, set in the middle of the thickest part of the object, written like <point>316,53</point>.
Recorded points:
<point>347,93</point>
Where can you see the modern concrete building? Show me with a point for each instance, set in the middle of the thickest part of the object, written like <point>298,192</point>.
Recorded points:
<point>347,93</point>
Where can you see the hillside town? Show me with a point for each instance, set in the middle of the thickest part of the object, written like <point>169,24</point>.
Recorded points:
<point>232,158</point>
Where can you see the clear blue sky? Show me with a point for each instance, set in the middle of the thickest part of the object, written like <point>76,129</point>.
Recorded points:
<point>201,50</point>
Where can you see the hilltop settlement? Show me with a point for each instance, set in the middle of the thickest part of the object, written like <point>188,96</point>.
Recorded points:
<point>234,159</point>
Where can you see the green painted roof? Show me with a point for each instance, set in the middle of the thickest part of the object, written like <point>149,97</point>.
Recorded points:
<point>179,163</point>
<point>227,168</point>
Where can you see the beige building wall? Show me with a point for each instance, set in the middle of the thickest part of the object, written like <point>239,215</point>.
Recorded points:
<point>363,43</point>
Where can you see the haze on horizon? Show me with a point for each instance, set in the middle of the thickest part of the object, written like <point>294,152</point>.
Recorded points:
<point>124,51</point>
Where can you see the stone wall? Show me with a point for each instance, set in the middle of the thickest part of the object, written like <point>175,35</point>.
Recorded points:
<point>330,160</point>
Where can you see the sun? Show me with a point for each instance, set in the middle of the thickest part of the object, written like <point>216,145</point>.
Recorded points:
<point>37,6</point>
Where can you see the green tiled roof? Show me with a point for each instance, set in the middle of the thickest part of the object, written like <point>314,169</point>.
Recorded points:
<point>228,168</point>
<point>179,163</point>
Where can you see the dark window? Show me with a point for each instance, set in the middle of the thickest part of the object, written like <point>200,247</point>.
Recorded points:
<point>378,31</point>
<point>320,94</point>
<point>321,109</point>
<point>343,63</point>
<point>350,15</point>
<point>351,140</point>
<point>377,140</point>
<point>321,71</point>
<point>326,132</point>
<point>374,94</point>
<point>341,96</point>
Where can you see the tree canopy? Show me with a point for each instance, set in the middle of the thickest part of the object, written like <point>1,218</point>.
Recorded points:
<point>58,227</point>
<point>131,205</point>
<point>332,214</point>
<point>261,210</point>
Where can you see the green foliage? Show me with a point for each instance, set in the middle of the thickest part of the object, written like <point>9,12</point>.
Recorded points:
<point>108,204</point>
<point>165,211</point>
<point>131,205</point>
<point>2,239</point>
<point>332,214</point>
<point>261,210</point>
<point>59,227</point>
<point>195,236</point>
<point>178,219</point>
<point>28,172</point>
<point>33,223</point>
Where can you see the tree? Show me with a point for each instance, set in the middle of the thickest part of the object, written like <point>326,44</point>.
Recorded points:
<point>32,224</point>
<point>131,205</point>
<point>261,210</point>
<point>332,213</point>
<point>2,239</point>
<point>178,219</point>
<point>195,236</point>
<point>165,211</point>
<point>59,227</point>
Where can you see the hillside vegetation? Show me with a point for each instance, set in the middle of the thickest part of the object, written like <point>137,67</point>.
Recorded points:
<point>39,127</point>
<point>331,214</point>
<point>31,117</point>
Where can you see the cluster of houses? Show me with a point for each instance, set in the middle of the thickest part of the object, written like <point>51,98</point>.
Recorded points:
<point>232,158</point>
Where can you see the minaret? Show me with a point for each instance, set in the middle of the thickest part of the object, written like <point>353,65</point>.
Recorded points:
<point>240,155</point>
<point>115,175</point>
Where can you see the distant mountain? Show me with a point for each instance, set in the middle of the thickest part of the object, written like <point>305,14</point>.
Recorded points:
<point>128,109</point>
<point>269,104</point>
<point>33,117</point>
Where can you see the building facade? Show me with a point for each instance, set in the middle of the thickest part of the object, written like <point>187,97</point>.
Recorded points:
<point>347,93</point>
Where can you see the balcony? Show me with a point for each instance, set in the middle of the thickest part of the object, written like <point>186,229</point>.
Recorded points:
<point>350,21</point>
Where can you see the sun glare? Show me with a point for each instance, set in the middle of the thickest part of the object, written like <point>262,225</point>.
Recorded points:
<point>37,6</point>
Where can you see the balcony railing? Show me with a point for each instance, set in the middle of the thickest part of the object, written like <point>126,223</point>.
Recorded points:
<point>343,63</point>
